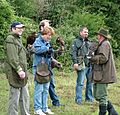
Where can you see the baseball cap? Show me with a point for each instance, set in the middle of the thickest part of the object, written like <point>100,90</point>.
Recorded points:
<point>17,25</point>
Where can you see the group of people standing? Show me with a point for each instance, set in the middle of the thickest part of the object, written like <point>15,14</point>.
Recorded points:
<point>16,70</point>
<point>99,69</point>
<point>98,66</point>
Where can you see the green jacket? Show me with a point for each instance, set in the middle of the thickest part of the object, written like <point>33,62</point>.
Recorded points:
<point>79,50</point>
<point>104,70</point>
<point>14,60</point>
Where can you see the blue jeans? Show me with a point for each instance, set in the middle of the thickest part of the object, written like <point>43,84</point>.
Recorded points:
<point>53,95</point>
<point>79,85</point>
<point>41,96</point>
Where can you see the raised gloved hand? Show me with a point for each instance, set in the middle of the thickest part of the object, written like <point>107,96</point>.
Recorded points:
<point>21,74</point>
<point>50,50</point>
<point>56,64</point>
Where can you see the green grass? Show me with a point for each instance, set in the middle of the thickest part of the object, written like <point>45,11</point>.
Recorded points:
<point>65,88</point>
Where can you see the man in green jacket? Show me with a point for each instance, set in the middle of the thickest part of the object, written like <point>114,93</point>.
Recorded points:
<point>16,70</point>
<point>104,72</point>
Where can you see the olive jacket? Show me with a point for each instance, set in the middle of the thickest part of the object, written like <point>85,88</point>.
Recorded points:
<point>14,60</point>
<point>104,70</point>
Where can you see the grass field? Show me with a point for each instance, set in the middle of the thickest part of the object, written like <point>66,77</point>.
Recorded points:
<point>65,88</point>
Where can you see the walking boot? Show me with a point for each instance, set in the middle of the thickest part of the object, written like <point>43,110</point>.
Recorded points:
<point>111,110</point>
<point>102,109</point>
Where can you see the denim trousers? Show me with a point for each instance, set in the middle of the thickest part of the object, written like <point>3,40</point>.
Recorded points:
<point>41,96</point>
<point>53,95</point>
<point>18,96</point>
<point>81,74</point>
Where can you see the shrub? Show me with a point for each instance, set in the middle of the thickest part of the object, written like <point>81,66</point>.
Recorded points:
<point>70,29</point>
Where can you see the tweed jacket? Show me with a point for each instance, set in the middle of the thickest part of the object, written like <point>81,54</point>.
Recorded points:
<point>104,70</point>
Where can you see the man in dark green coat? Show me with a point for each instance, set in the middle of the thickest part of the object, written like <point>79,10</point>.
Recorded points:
<point>104,72</point>
<point>16,70</point>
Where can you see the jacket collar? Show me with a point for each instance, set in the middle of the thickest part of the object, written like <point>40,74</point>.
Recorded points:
<point>15,35</point>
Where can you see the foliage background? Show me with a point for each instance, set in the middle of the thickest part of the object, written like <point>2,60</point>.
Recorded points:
<point>66,17</point>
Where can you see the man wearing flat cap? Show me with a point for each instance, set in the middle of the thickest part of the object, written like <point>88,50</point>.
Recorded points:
<point>16,70</point>
<point>104,72</point>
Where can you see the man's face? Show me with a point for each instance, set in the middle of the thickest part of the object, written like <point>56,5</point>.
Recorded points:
<point>18,31</point>
<point>84,33</point>
<point>100,38</point>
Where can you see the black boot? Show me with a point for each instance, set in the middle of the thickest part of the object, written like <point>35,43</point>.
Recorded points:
<point>111,110</point>
<point>102,109</point>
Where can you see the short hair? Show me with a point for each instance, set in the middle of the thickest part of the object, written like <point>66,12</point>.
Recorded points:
<point>48,29</point>
<point>82,27</point>
<point>42,23</point>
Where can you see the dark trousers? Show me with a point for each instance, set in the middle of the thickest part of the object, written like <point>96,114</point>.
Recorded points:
<point>53,95</point>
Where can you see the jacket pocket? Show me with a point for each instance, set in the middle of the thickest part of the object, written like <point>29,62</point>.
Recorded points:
<point>97,73</point>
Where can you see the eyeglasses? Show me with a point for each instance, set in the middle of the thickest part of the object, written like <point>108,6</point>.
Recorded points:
<point>20,28</point>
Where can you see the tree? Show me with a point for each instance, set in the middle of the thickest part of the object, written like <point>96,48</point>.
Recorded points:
<point>111,11</point>
<point>24,8</point>
<point>6,17</point>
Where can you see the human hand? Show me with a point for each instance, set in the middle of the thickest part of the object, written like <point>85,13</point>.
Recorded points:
<point>30,46</point>
<point>50,50</point>
<point>21,74</point>
<point>75,66</point>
